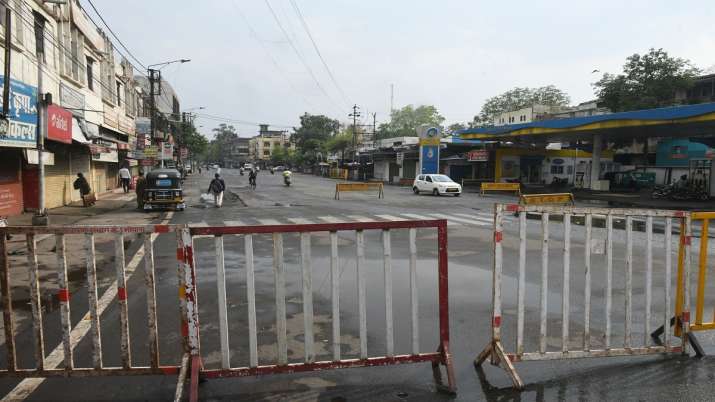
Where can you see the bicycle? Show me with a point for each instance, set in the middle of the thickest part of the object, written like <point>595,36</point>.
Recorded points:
<point>252,183</point>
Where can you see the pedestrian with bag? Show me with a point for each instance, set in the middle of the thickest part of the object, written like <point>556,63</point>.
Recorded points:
<point>85,191</point>
<point>217,187</point>
<point>125,177</point>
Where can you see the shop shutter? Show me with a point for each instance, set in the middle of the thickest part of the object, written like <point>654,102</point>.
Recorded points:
<point>79,163</point>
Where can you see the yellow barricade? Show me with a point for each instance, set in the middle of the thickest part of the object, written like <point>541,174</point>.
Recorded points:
<point>547,199</point>
<point>340,187</point>
<point>336,173</point>
<point>500,187</point>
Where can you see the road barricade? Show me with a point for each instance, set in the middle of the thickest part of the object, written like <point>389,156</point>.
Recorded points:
<point>304,233</point>
<point>515,187</point>
<point>547,199</point>
<point>369,186</point>
<point>62,361</point>
<point>337,173</point>
<point>621,329</point>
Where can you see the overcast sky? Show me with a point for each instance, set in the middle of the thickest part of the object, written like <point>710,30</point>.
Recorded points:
<point>451,54</point>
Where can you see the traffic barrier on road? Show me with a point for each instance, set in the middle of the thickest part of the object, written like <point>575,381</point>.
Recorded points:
<point>49,365</point>
<point>515,187</point>
<point>406,181</point>
<point>547,199</point>
<point>343,187</point>
<point>586,348</point>
<point>336,173</point>
<point>306,232</point>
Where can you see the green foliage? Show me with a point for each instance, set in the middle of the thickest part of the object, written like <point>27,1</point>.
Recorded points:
<point>519,98</point>
<point>455,127</point>
<point>311,136</point>
<point>404,122</point>
<point>648,81</point>
<point>221,146</point>
<point>187,136</point>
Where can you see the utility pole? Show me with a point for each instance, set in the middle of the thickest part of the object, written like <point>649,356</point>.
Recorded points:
<point>152,111</point>
<point>40,218</point>
<point>355,114</point>
<point>374,126</point>
<point>392,97</point>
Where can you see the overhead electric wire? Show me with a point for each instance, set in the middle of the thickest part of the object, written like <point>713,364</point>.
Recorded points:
<point>270,56</point>
<point>241,121</point>
<point>113,34</point>
<point>300,57</point>
<point>315,46</point>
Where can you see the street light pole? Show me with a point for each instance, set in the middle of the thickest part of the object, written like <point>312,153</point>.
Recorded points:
<point>153,74</point>
<point>40,218</point>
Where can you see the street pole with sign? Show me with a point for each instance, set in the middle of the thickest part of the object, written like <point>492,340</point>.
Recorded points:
<point>429,149</point>
<point>40,218</point>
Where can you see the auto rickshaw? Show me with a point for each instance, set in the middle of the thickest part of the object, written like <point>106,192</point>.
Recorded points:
<point>163,190</point>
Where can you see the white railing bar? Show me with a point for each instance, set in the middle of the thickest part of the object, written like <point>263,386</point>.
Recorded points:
<point>387,269</point>
<point>648,278</point>
<point>251,295</point>
<point>150,281</point>
<point>222,303</point>
<point>414,299</point>
<point>521,290</point>
<point>279,274</point>
<point>122,299</point>
<point>335,293</point>
<point>362,311</point>
<point>544,280</point>
<point>34,283</point>
<point>629,281</point>
<point>668,273</point>
<point>92,295</point>
<point>587,285</point>
<point>65,316</point>
<point>609,278</point>
<point>306,264</point>
<point>566,284</point>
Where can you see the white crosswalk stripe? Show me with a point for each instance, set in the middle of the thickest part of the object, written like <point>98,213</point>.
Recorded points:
<point>458,220</point>
<point>420,217</point>
<point>330,219</point>
<point>479,217</point>
<point>360,218</point>
<point>268,221</point>
<point>390,218</point>
<point>300,221</point>
<point>235,223</point>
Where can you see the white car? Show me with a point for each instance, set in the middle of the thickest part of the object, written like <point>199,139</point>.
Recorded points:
<point>437,184</point>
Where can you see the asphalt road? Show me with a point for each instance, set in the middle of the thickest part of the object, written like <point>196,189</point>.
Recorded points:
<point>310,200</point>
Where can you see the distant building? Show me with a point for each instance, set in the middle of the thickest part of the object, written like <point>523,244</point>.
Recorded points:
<point>524,115</point>
<point>583,109</point>
<point>262,146</point>
<point>702,92</point>
<point>240,152</point>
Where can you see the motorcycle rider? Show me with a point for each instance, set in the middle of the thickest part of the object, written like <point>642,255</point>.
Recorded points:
<point>287,177</point>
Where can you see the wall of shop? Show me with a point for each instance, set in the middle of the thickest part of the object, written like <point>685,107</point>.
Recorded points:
<point>11,200</point>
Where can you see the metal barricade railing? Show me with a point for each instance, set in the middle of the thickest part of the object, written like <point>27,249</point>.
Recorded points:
<point>115,293</point>
<point>566,350</point>
<point>305,232</point>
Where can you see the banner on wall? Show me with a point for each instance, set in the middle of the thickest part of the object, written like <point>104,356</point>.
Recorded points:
<point>22,115</point>
<point>59,124</point>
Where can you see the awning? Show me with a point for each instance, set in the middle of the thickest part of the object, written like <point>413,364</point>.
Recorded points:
<point>77,132</point>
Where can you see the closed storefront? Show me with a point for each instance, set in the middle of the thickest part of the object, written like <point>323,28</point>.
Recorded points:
<point>57,177</point>
<point>10,182</point>
<point>79,163</point>
<point>99,177</point>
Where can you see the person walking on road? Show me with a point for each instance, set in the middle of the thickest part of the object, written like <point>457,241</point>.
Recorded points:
<point>126,177</point>
<point>139,189</point>
<point>252,179</point>
<point>217,187</point>
<point>85,191</point>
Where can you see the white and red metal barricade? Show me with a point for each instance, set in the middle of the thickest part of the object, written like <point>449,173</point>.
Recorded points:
<point>583,345</point>
<point>441,357</point>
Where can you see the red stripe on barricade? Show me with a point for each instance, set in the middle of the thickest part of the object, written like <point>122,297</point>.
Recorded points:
<point>687,240</point>
<point>184,329</point>
<point>496,321</point>
<point>122,293</point>
<point>498,236</point>
<point>63,295</point>
<point>512,207</point>
<point>161,228</point>
<point>686,316</point>
<point>180,254</point>
<point>314,227</point>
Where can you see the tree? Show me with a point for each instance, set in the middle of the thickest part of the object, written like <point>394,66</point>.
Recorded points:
<point>313,133</point>
<point>404,122</point>
<point>518,98</point>
<point>340,143</point>
<point>648,81</point>
<point>222,145</point>
<point>454,127</point>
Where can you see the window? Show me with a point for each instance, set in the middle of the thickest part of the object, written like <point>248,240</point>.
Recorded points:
<point>266,152</point>
<point>557,169</point>
<point>39,27</point>
<point>90,73</point>
<point>119,93</point>
<point>429,179</point>
<point>266,144</point>
<point>569,170</point>
<point>420,178</point>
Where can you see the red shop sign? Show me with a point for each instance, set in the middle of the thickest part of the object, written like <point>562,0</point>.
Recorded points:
<point>59,124</point>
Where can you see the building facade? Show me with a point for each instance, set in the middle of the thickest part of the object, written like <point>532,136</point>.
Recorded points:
<point>262,146</point>
<point>91,120</point>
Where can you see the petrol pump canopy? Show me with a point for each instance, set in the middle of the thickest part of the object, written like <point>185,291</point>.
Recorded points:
<point>674,121</point>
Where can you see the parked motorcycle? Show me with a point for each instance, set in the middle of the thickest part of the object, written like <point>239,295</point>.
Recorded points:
<point>287,178</point>
<point>662,191</point>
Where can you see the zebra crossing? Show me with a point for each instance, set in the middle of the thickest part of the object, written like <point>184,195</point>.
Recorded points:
<point>478,219</point>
